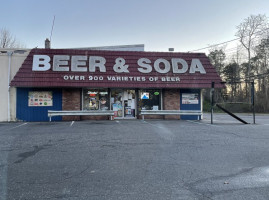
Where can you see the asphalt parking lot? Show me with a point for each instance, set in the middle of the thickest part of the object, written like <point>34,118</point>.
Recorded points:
<point>135,159</point>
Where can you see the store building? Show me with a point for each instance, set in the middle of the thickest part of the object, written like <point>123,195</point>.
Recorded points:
<point>10,62</point>
<point>123,81</point>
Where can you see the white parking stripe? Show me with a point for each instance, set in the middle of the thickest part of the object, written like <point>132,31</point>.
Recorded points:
<point>201,123</point>
<point>16,126</point>
<point>72,123</point>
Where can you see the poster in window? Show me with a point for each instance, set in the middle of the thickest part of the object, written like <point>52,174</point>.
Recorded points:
<point>103,104</point>
<point>40,98</point>
<point>145,95</point>
<point>93,104</point>
<point>190,98</point>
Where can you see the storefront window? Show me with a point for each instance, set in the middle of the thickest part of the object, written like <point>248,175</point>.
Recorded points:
<point>149,99</point>
<point>95,99</point>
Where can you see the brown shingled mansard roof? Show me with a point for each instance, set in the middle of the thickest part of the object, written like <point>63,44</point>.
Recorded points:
<point>25,77</point>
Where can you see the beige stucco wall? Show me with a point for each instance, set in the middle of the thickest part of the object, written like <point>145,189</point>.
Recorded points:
<point>17,59</point>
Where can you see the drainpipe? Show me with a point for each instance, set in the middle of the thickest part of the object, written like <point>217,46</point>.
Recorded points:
<point>9,53</point>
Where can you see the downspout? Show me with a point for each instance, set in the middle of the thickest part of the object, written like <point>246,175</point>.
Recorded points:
<point>9,53</point>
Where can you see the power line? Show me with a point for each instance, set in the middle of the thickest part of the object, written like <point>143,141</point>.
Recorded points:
<point>215,45</point>
<point>229,41</point>
<point>245,79</point>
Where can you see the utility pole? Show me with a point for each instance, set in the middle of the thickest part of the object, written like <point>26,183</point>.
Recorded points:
<point>212,99</point>
<point>253,100</point>
<point>9,53</point>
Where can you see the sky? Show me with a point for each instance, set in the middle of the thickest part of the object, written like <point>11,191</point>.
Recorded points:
<point>184,25</point>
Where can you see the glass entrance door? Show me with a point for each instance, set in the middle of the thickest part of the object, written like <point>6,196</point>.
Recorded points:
<point>123,103</point>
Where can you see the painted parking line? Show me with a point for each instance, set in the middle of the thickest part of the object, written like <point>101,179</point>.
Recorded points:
<point>72,123</point>
<point>165,133</point>
<point>218,120</point>
<point>15,127</point>
<point>150,124</point>
<point>195,122</point>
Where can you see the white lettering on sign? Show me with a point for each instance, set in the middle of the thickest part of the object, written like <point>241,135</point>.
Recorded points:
<point>96,78</point>
<point>72,77</point>
<point>145,64</point>
<point>166,65</point>
<point>120,66</point>
<point>153,78</point>
<point>41,63</point>
<point>126,78</point>
<point>60,63</point>
<point>122,78</point>
<point>78,64</point>
<point>97,61</point>
<point>196,66</point>
<point>170,79</point>
<point>183,63</point>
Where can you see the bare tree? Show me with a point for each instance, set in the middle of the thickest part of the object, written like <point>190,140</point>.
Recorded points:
<point>7,40</point>
<point>248,31</point>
